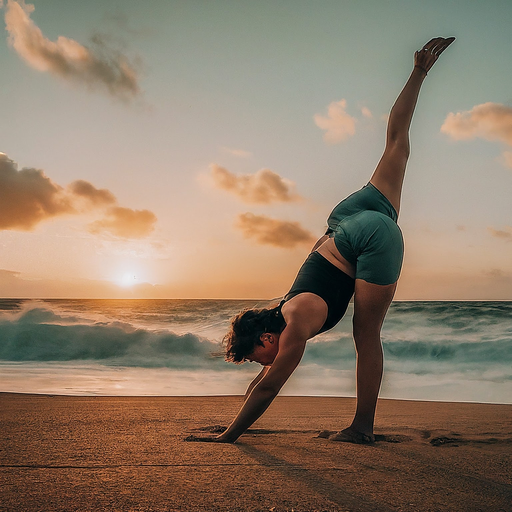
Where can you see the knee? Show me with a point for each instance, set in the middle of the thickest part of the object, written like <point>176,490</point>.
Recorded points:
<point>367,339</point>
<point>398,144</point>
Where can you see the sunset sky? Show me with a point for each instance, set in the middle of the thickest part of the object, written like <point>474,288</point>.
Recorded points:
<point>194,149</point>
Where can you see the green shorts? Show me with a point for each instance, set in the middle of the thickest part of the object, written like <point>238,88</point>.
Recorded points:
<point>365,232</point>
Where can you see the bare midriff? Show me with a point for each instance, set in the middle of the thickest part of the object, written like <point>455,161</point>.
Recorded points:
<point>330,252</point>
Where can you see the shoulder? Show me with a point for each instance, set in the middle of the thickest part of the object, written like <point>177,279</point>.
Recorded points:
<point>305,314</point>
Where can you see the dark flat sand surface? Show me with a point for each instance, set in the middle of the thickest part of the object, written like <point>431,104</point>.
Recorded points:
<point>124,453</point>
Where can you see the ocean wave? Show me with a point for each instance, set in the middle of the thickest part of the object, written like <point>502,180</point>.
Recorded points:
<point>39,333</point>
<point>416,337</point>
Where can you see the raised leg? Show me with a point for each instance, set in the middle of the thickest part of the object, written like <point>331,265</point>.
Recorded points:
<point>388,177</point>
<point>389,174</point>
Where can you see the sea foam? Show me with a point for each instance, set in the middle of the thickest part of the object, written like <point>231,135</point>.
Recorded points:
<point>435,350</point>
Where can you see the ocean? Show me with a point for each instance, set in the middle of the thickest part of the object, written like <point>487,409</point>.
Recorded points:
<point>445,351</point>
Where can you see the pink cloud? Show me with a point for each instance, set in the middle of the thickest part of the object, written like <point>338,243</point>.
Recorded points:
<point>338,125</point>
<point>100,67</point>
<point>491,121</point>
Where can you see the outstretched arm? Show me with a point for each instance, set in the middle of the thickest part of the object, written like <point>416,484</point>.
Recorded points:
<point>264,388</point>
<point>256,380</point>
<point>389,174</point>
<point>291,349</point>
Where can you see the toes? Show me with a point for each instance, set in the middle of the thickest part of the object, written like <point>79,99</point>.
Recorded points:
<point>349,436</point>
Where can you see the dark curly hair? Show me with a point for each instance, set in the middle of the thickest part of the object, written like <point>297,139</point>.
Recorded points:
<point>246,329</point>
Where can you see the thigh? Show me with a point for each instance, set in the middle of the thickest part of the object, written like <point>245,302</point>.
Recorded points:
<point>388,177</point>
<point>381,244</point>
<point>371,303</point>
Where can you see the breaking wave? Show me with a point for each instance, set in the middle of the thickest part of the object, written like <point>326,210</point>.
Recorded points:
<point>39,333</point>
<point>417,337</point>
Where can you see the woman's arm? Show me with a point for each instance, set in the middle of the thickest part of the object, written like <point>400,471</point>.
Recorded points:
<point>292,343</point>
<point>256,380</point>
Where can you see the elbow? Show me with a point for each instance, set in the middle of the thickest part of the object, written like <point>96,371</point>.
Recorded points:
<point>269,389</point>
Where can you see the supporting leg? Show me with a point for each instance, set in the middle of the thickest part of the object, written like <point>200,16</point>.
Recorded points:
<point>371,302</point>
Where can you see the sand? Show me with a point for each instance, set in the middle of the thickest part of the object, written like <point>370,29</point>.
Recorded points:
<point>128,453</point>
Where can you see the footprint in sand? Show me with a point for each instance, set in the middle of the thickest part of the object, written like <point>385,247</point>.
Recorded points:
<point>385,438</point>
<point>455,439</point>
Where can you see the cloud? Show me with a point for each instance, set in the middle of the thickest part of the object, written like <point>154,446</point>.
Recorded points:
<point>263,187</point>
<point>268,231</point>
<point>125,223</point>
<point>490,121</point>
<point>496,273</point>
<point>237,152</point>
<point>100,67</point>
<point>28,197</point>
<point>8,276</point>
<point>507,156</point>
<point>505,234</point>
<point>92,194</point>
<point>366,112</point>
<point>338,125</point>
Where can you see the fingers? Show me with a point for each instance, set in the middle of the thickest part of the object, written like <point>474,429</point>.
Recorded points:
<point>427,56</point>
<point>442,47</point>
<point>437,45</point>
<point>199,439</point>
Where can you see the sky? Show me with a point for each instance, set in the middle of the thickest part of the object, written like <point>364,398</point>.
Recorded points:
<point>194,149</point>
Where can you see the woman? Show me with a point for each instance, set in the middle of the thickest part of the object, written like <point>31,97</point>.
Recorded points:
<point>360,254</point>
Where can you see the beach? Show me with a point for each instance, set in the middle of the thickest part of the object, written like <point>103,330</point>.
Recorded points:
<point>71,453</point>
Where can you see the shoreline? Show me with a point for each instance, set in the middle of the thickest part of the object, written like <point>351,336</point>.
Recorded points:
<point>65,453</point>
<point>233,395</point>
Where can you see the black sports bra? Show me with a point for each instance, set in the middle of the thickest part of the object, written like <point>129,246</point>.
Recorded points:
<point>319,276</point>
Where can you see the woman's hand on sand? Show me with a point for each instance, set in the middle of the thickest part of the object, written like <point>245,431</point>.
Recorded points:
<point>209,439</point>
<point>427,56</point>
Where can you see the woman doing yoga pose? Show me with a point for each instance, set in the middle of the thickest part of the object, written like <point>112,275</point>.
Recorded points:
<point>361,255</point>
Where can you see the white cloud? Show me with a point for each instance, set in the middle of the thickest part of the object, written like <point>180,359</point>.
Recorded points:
<point>338,125</point>
<point>100,67</point>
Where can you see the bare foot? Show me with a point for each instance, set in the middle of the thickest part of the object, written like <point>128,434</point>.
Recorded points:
<point>349,435</point>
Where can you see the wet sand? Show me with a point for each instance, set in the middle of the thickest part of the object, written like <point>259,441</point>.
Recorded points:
<point>128,453</point>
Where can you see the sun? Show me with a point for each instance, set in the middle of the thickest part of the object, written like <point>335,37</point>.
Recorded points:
<point>128,279</point>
